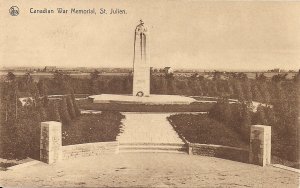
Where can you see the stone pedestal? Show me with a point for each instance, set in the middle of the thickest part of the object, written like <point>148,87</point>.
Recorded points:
<point>260,145</point>
<point>51,142</point>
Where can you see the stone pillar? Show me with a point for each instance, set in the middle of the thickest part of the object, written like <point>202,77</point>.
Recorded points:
<point>141,62</point>
<point>260,145</point>
<point>51,142</point>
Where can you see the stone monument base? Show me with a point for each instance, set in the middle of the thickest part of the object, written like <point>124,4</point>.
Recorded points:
<point>151,100</point>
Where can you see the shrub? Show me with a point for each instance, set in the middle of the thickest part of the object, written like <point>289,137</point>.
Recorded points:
<point>70,107</point>
<point>237,116</point>
<point>64,113</point>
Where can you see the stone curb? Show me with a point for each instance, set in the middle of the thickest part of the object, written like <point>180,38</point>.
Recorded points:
<point>286,168</point>
<point>23,165</point>
<point>219,146</point>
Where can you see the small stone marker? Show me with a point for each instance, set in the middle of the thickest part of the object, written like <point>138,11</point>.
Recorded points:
<point>260,145</point>
<point>51,142</point>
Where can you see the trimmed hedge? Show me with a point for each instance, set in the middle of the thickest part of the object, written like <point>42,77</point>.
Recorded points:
<point>194,107</point>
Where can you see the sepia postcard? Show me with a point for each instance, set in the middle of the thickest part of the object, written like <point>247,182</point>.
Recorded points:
<point>140,93</point>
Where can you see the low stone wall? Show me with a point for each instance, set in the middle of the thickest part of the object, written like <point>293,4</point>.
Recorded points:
<point>89,149</point>
<point>224,152</point>
<point>52,151</point>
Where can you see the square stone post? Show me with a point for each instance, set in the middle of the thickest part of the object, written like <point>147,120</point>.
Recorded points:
<point>190,149</point>
<point>260,145</point>
<point>50,142</point>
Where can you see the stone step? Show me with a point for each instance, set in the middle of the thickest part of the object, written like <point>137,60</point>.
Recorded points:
<point>152,151</point>
<point>153,147</point>
<point>151,144</point>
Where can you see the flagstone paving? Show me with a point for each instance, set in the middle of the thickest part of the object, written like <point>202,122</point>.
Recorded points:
<point>148,128</point>
<point>148,170</point>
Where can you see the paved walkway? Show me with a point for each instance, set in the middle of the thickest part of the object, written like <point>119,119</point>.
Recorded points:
<point>152,99</point>
<point>148,170</point>
<point>148,128</point>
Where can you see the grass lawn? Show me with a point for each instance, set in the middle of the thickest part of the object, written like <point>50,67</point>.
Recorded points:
<point>204,130</point>
<point>90,128</point>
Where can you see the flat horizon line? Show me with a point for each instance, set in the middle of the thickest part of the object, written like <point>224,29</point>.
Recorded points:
<point>4,68</point>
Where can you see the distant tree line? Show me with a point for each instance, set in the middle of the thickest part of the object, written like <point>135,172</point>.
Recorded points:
<point>235,86</point>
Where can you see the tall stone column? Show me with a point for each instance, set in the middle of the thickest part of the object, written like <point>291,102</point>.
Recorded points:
<point>51,142</point>
<point>260,145</point>
<point>141,62</point>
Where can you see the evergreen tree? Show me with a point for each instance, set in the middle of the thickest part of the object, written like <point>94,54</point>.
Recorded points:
<point>265,92</point>
<point>230,90</point>
<point>62,83</point>
<point>215,111</point>
<point>170,84</point>
<point>205,88</point>
<point>76,109</point>
<point>192,85</point>
<point>10,77</point>
<point>164,86</point>
<point>70,107</point>
<point>94,75</point>
<point>43,88</point>
<point>11,98</point>
<point>221,111</point>
<point>261,77</point>
<point>43,114</point>
<point>245,122</point>
<point>239,91</point>
<point>199,90</point>
<point>270,116</point>
<point>220,88</point>
<point>260,117</point>
<point>22,137</point>
<point>127,85</point>
<point>226,113</point>
<point>213,90</point>
<point>63,110</point>
<point>256,94</point>
<point>40,108</point>
<point>247,91</point>
<point>53,110</point>
<point>279,77</point>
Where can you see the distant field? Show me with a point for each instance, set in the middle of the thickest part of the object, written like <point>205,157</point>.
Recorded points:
<point>252,75</point>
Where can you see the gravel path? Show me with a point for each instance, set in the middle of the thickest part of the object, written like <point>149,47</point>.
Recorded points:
<point>149,170</point>
<point>148,128</point>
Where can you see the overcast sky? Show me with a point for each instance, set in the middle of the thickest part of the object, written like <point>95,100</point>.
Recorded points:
<point>183,34</point>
